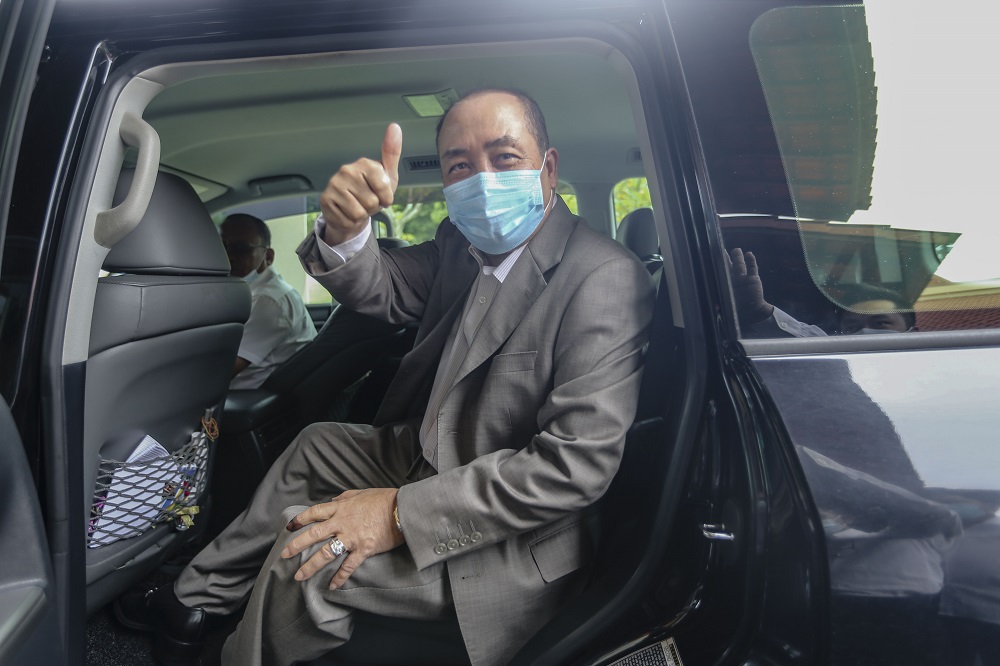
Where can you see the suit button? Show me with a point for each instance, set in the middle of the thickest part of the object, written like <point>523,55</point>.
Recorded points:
<point>465,540</point>
<point>452,544</point>
<point>476,536</point>
<point>440,549</point>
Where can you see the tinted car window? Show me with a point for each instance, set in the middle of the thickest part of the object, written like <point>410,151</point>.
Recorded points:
<point>885,141</point>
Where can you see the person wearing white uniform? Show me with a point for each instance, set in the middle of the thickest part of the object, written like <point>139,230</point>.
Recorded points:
<point>279,323</point>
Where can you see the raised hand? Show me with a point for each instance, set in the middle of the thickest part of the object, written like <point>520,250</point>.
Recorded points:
<point>361,519</point>
<point>748,290</point>
<point>360,189</point>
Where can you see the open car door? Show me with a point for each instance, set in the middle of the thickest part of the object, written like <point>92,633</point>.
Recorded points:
<point>27,630</point>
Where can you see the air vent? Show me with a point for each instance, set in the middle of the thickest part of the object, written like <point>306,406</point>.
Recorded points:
<point>634,156</point>
<point>424,163</point>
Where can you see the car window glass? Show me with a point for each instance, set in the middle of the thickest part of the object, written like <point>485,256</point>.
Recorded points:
<point>628,195</point>
<point>885,132</point>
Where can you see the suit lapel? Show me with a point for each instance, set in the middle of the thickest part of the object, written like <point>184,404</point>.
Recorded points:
<point>522,286</point>
<point>412,382</point>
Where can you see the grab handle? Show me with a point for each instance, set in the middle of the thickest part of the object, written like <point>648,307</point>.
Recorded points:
<point>113,225</point>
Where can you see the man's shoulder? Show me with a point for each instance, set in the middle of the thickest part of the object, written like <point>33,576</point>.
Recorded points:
<point>280,295</point>
<point>591,249</point>
<point>275,288</point>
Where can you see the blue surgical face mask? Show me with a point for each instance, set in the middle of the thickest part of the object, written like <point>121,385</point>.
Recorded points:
<point>497,211</point>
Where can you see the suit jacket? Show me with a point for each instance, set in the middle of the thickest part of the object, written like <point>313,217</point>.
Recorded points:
<point>531,432</point>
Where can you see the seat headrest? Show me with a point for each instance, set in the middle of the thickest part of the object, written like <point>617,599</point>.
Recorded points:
<point>175,237</point>
<point>637,232</point>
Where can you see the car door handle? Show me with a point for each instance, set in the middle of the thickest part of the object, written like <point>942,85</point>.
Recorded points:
<point>716,532</point>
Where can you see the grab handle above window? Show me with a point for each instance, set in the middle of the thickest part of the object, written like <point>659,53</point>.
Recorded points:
<point>113,225</point>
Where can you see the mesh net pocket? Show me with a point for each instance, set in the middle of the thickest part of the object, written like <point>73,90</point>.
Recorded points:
<point>130,497</point>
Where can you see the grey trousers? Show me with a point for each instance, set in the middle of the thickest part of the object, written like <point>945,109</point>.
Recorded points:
<point>288,621</point>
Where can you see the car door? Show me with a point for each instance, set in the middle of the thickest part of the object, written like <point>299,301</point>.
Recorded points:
<point>29,632</point>
<point>868,316</point>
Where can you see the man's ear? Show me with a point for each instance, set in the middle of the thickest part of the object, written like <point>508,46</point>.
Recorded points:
<point>268,259</point>
<point>552,166</point>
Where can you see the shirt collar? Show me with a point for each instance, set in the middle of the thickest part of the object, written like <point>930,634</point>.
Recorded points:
<point>264,277</point>
<point>499,272</point>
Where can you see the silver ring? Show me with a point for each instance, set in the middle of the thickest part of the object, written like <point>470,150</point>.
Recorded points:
<point>337,547</point>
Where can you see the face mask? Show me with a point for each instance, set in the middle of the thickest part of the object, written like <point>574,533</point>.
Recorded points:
<point>496,212</point>
<point>252,276</point>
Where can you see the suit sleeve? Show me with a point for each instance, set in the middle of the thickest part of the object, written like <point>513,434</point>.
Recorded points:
<point>570,462</point>
<point>392,285</point>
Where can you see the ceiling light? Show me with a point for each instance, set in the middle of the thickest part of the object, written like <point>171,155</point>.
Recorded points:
<point>430,105</point>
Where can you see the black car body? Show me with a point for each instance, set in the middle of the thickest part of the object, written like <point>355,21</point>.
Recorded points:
<point>783,499</point>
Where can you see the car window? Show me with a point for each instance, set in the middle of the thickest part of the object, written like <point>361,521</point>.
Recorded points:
<point>628,195</point>
<point>885,140</point>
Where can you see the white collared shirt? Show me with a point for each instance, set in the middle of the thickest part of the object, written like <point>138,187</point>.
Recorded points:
<point>279,326</point>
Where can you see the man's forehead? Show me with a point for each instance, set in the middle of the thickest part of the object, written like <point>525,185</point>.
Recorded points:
<point>458,146</point>
<point>874,306</point>
<point>489,110</point>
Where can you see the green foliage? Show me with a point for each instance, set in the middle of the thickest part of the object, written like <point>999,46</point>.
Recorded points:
<point>630,194</point>
<point>417,222</point>
<point>570,200</point>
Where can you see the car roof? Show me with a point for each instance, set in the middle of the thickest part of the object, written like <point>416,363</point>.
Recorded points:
<point>230,125</point>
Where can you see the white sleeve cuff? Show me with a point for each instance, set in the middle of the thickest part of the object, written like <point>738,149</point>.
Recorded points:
<point>337,255</point>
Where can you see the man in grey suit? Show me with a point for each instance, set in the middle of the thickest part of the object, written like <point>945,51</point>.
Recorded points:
<point>503,425</point>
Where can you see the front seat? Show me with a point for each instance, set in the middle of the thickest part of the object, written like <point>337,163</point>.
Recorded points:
<point>166,326</point>
<point>637,232</point>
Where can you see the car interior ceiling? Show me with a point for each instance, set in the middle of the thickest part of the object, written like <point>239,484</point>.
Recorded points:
<point>224,125</point>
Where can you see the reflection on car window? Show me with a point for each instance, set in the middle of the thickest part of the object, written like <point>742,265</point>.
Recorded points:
<point>886,140</point>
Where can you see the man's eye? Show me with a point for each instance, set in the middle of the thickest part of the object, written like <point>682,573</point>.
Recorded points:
<point>458,167</point>
<point>507,160</point>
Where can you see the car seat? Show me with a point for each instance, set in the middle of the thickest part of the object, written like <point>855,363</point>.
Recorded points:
<point>637,232</point>
<point>167,323</point>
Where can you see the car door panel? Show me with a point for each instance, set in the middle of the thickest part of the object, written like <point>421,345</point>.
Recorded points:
<point>26,620</point>
<point>26,591</point>
<point>899,449</point>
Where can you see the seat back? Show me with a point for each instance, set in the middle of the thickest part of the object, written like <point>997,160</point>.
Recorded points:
<point>166,326</point>
<point>347,347</point>
<point>637,232</point>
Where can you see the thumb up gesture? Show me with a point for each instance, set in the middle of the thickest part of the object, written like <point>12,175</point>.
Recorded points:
<point>360,189</point>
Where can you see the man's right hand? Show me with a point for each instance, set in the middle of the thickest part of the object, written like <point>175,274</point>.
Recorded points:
<point>360,189</point>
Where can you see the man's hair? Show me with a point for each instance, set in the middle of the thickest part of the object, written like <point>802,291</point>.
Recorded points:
<point>259,225</point>
<point>860,293</point>
<point>532,114</point>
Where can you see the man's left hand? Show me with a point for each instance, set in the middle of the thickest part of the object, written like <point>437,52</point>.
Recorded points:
<point>748,290</point>
<point>361,519</point>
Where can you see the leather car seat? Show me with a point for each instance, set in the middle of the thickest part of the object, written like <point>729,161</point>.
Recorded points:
<point>637,232</point>
<point>166,326</point>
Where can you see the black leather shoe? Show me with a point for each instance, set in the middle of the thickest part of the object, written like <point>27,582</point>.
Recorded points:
<point>179,629</point>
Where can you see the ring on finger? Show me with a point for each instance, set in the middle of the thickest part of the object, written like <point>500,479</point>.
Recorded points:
<point>337,547</point>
